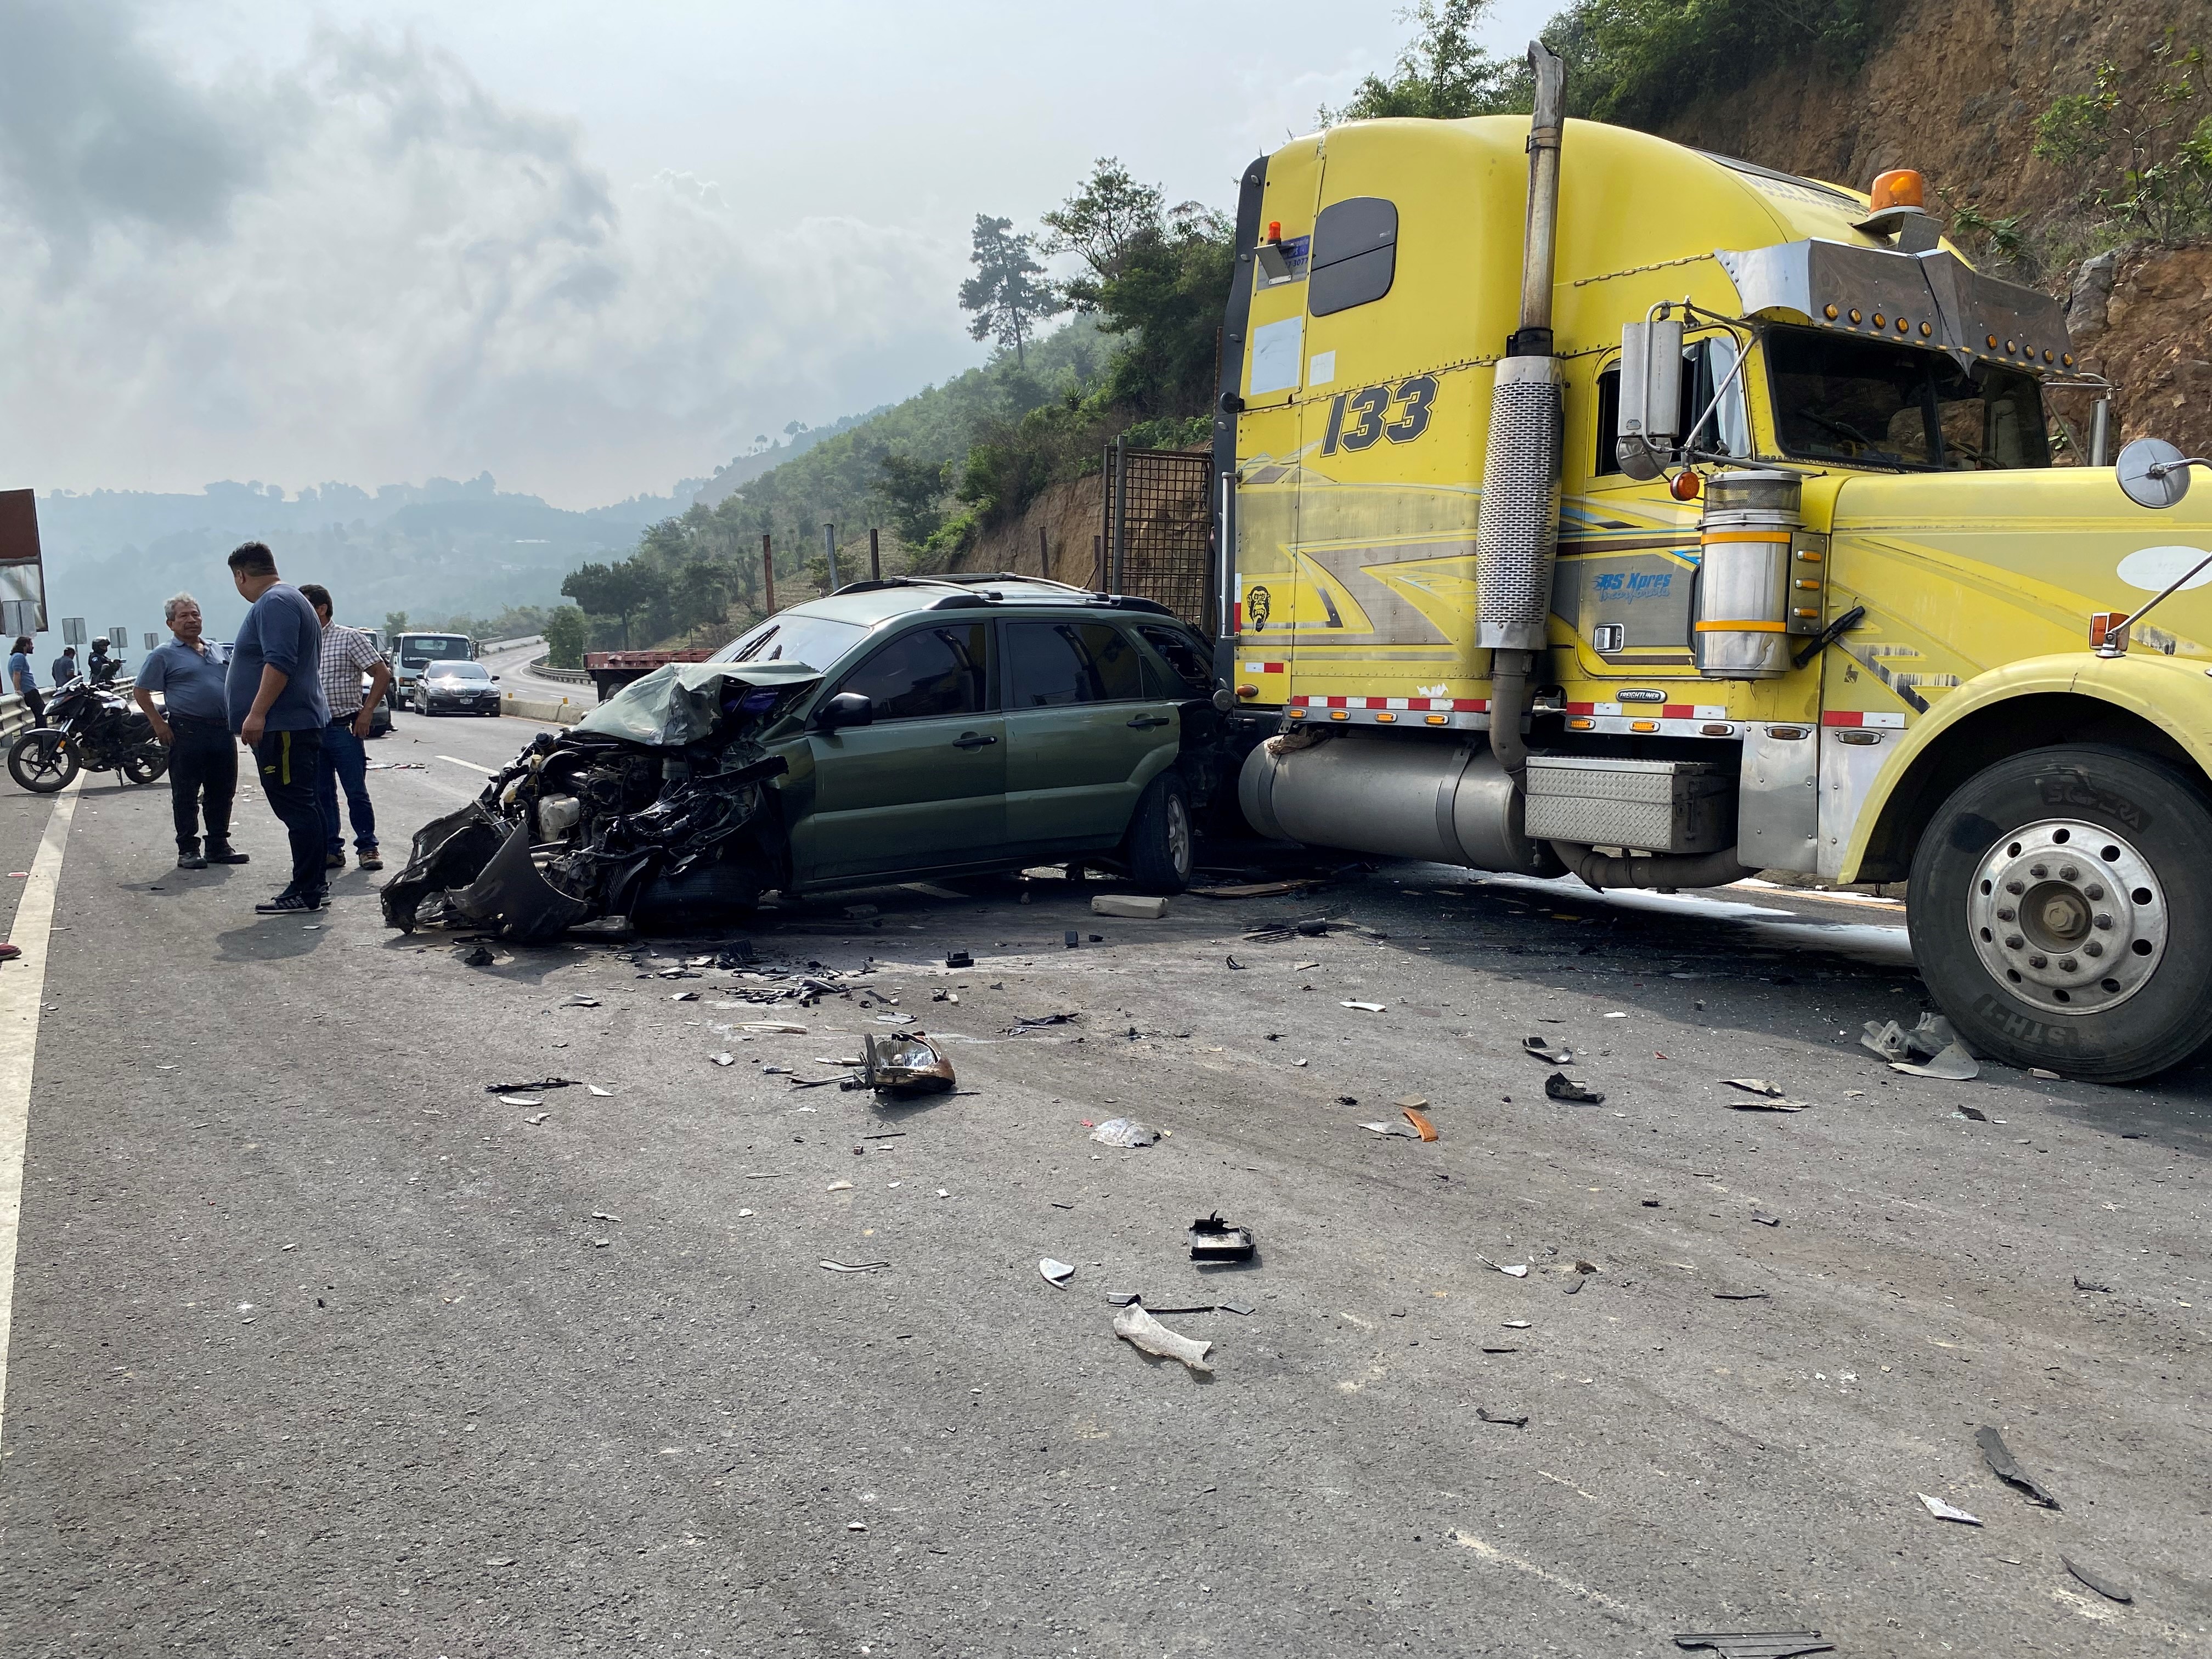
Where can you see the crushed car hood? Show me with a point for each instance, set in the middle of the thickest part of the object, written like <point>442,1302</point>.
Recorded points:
<point>679,704</point>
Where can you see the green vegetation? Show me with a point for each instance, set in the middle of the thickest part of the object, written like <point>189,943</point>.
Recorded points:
<point>1643,62</point>
<point>2137,148</point>
<point>1443,75</point>
<point>564,637</point>
<point>1004,293</point>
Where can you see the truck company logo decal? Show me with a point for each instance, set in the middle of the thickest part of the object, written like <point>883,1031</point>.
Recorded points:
<point>1366,409</point>
<point>2151,569</point>
<point>1255,607</point>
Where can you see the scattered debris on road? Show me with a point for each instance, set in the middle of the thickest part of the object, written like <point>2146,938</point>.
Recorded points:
<point>1932,1049</point>
<point>852,1266</point>
<point>2007,1468</point>
<point>1500,1418</point>
<point>1561,1086</point>
<point>1366,1007</point>
<point>1133,906</point>
<point>1943,1511</point>
<point>1519,1271</point>
<point>2110,1588</point>
<point>1756,1644</point>
<point>2081,1284</point>
<point>907,1064</point>
<point>473,956</point>
<point>1212,1239</point>
<point>580,1000</point>
<point>1422,1126</point>
<point>1056,1273</point>
<point>958,959</point>
<point>1543,1050</point>
<point>1125,1132</point>
<point>1140,1330</point>
<point>537,1085</point>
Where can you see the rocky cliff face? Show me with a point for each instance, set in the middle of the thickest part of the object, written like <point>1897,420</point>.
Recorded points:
<point>1954,92</point>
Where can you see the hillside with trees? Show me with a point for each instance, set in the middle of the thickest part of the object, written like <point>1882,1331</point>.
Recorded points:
<point>2065,150</point>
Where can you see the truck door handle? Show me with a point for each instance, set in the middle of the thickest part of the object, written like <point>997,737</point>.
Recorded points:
<point>1144,720</point>
<point>971,741</point>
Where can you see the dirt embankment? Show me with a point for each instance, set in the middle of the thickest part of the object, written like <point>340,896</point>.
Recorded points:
<point>1954,91</point>
<point>1057,537</point>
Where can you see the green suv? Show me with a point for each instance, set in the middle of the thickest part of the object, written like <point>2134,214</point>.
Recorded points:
<point>918,726</point>
<point>968,723</point>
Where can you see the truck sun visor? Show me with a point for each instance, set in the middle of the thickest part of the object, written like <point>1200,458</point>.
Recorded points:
<point>1911,299</point>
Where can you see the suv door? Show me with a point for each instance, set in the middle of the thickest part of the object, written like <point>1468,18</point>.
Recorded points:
<point>1086,733</point>
<point>922,786</point>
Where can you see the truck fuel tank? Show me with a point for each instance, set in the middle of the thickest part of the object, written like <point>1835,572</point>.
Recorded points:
<point>1401,795</point>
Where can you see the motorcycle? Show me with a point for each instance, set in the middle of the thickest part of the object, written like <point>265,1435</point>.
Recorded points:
<point>90,728</point>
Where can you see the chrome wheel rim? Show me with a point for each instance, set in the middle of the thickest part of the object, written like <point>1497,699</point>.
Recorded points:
<point>2068,916</point>
<point>1179,835</point>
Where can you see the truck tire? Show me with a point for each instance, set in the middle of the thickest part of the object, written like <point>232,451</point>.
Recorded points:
<point>2061,913</point>
<point>1160,847</point>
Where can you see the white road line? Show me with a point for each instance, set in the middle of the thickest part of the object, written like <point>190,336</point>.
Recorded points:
<point>22,987</point>
<point>471,765</point>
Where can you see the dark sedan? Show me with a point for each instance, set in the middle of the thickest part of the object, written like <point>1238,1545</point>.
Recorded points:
<point>457,688</point>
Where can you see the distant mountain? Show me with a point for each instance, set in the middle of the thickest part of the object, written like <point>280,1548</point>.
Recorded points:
<point>728,480</point>
<point>433,549</point>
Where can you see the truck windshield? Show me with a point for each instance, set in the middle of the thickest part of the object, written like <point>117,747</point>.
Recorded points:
<point>1874,403</point>
<point>417,649</point>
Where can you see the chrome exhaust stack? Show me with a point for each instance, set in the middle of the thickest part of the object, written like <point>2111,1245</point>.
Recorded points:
<point>1516,535</point>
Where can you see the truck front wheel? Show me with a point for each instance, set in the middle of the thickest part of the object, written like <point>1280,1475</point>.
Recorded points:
<point>2061,912</point>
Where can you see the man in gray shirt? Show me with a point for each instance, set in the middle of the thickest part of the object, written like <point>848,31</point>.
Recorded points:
<point>196,725</point>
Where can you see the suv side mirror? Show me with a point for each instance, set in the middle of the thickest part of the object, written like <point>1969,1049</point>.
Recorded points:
<point>1651,396</point>
<point>846,708</point>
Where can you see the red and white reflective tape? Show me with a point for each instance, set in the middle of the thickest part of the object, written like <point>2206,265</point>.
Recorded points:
<point>1420,705</point>
<point>1267,668</point>
<point>1892,721</point>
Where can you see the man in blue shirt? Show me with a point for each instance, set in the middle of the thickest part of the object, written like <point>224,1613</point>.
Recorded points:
<point>65,667</point>
<point>23,683</point>
<point>196,725</point>
<point>277,705</point>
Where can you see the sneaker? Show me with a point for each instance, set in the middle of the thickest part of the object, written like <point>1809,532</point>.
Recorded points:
<point>334,860</point>
<point>9,953</point>
<point>188,858</point>
<point>372,860</point>
<point>221,851</point>
<point>289,901</point>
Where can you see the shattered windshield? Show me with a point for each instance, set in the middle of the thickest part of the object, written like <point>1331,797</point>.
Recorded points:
<point>818,641</point>
<point>1868,402</point>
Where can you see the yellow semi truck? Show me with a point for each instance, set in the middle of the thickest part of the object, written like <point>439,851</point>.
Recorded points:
<point>1586,503</point>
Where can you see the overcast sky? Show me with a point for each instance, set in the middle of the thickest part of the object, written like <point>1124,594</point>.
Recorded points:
<point>591,248</point>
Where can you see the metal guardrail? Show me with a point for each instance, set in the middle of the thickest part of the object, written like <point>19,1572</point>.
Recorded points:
<point>537,670</point>
<point>15,716</point>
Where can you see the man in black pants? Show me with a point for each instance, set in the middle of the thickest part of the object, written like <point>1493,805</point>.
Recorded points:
<point>203,757</point>
<point>275,694</point>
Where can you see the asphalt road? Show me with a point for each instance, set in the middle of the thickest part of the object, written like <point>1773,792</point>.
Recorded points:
<point>318,1346</point>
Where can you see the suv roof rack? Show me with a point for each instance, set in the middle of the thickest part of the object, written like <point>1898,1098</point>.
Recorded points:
<point>964,585</point>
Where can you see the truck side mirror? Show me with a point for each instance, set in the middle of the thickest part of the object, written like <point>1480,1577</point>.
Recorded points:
<point>1651,396</point>
<point>846,708</point>
<point>2153,473</point>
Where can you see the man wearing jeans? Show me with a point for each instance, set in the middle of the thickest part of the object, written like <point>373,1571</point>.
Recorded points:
<point>347,653</point>
<point>275,694</point>
<point>195,725</point>
<point>23,683</point>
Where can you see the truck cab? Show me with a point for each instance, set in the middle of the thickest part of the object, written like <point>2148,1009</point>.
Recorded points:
<point>1762,536</point>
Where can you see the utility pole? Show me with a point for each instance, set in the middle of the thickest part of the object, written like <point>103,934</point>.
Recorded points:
<point>875,555</point>
<point>829,551</point>
<point>767,573</point>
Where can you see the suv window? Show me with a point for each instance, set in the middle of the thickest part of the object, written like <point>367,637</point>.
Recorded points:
<point>1054,665</point>
<point>931,671</point>
<point>1185,658</point>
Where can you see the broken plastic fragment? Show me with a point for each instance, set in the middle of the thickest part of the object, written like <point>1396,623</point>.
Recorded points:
<point>1212,1239</point>
<point>1139,1330</point>
<point>1561,1086</point>
<point>602,1093</point>
<point>1370,1007</point>
<point>1422,1126</point>
<point>1756,1643</point>
<point>1518,1271</point>
<point>1124,1132</point>
<point>1406,1130</point>
<point>907,1064</point>
<point>1500,1418</point>
<point>1056,1273</point>
<point>1543,1050</point>
<point>2007,1469</point>
<point>2109,1589</point>
<point>1943,1511</point>
<point>520,1100</point>
<point>580,1002</point>
<point>1132,905</point>
<point>852,1266</point>
<point>723,1060</point>
<point>1951,1064</point>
